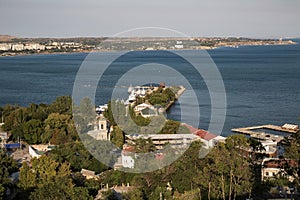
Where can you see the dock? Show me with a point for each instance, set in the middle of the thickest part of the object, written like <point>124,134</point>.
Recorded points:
<point>177,95</point>
<point>263,135</point>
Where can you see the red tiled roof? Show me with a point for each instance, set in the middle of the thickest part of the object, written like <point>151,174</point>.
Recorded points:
<point>128,148</point>
<point>205,134</point>
<point>200,132</point>
<point>279,163</point>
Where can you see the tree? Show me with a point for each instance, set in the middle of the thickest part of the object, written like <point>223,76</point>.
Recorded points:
<point>43,171</point>
<point>48,179</point>
<point>32,131</point>
<point>7,166</point>
<point>14,122</point>
<point>39,112</point>
<point>292,151</point>
<point>78,157</point>
<point>2,191</point>
<point>144,145</point>
<point>59,129</point>
<point>160,193</point>
<point>87,110</point>
<point>117,137</point>
<point>61,105</point>
<point>170,127</point>
<point>135,194</point>
<point>56,192</point>
<point>228,174</point>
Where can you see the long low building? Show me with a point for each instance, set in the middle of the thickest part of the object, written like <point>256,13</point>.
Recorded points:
<point>160,140</point>
<point>180,140</point>
<point>177,141</point>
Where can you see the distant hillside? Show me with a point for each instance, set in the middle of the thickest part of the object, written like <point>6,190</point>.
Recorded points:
<point>4,38</point>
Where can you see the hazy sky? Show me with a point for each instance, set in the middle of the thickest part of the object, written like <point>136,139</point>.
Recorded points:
<point>70,18</point>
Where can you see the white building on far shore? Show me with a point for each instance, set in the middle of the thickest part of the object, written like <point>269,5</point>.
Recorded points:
<point>17,47</point>
<point>5,47</point>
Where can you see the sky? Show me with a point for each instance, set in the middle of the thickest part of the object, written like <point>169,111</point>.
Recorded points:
<point>207,18</point>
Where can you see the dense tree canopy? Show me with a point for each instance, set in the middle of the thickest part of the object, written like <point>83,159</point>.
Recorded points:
<point>48,179</point>
<point>292,151</point>
<point>78,157</point>
<point>42,123</point>
<point>7,166</point>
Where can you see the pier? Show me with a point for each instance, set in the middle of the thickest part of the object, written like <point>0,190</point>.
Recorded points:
<point>177,95</point>
<point>263,135</point>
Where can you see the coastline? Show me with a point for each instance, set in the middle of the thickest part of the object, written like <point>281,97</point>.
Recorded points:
<point>232,45</point>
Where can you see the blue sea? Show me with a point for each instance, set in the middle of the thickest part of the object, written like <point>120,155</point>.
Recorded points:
<point>261,82</point>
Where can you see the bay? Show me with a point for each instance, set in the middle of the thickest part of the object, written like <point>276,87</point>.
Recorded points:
<point>261,82</point>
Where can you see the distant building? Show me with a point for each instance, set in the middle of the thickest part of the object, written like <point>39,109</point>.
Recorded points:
<point>179,45</point>
<point>34,46</point>
<point>55,44</point>
<point>102,108</point>
<point>160,140</point>
<point>49,47</point>
<point>5,47</point>
<point>149,49</point>
<point>3,138</point>
<point>272,167</point>
<point>269,151</point>
<point>125,160</point>
<point>208,139</point>
<point>36,151</point>
<point>145,110</point>
<point>291,127</point>
<point>179,140</point>
<point>102,129</point>
<point>88,174</point>
<point>17,47</point>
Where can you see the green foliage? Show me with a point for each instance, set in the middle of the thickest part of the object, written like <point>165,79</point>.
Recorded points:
<point>91,185</point>
<point>41,123</point>
<point>228,173</point>
<point>108,195</point>
<point>15,119</point>
<point>7,166</point>
<point>108,114</point>
<point>135,194</point>
<point>160,193</point>
<point>114,177</point>
<point>2,191</point>
<point>39,112</point>
<point>61,105</point>
<point>32,131</point>
<point>87,109</point>
<point>59,129</point>
<point>58,192</point>
<point>48,179</point>
<point>223,174</point>
<point>161,97</point>
<point>184,170</point>
<point>170,127</point>
<point>78,157</point>
<point>43,171</point>
<point>144,145</point>
<point>292,151</point>
<point>117,137</point>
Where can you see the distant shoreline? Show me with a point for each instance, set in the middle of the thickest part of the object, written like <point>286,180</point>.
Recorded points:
<point>232,45</point>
